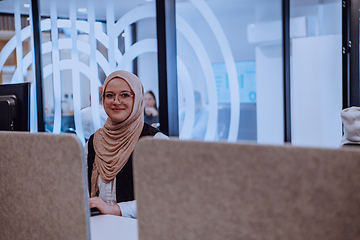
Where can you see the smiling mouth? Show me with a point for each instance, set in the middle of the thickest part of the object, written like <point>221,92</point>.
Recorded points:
<point>118,109</point>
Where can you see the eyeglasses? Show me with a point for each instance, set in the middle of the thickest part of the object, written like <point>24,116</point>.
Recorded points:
<point>122,97</point>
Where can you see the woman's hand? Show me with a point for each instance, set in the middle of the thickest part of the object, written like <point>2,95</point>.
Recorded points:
<point>151,111</point>
<point>104,208</point>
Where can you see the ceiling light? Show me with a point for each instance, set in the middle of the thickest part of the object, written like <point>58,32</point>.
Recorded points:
<point>26,5</point>
<point>149,0</point>
<point>82,10</point>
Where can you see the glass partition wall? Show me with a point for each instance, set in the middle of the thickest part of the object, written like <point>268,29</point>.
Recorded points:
<point>16,49</point>
<point>82,42</point>
<point>230,70</point>
<point>230,64</point>
<point>106,38</point>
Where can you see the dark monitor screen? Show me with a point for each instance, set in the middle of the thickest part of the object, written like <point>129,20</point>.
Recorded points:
<point>15,107</point>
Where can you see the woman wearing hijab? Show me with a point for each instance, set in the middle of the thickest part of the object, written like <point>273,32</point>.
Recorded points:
<point>110,148</point>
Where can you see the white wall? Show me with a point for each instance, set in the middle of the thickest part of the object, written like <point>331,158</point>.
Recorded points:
<point>270,97</point>
<point>316,90</point>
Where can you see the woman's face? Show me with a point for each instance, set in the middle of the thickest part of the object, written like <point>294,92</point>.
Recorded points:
<point>149,100</point>
<point>118,100</point>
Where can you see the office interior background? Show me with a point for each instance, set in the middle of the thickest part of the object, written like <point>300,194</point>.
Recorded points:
<point>231,52</point>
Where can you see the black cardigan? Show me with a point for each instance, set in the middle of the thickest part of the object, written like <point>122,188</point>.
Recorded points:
<point>124,179</point>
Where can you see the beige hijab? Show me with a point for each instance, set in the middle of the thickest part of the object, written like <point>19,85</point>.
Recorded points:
<point>114,143</point>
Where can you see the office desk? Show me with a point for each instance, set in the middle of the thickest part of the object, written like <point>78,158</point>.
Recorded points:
<point>113,228</point>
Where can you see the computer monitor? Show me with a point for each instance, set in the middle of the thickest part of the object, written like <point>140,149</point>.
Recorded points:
<point>15,107</point>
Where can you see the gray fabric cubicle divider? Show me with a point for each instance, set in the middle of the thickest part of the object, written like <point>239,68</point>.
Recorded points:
<point>213,190</point>
<point>43,187</point>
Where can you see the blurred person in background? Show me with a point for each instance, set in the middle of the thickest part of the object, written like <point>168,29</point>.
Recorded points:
<point>151,113</point>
